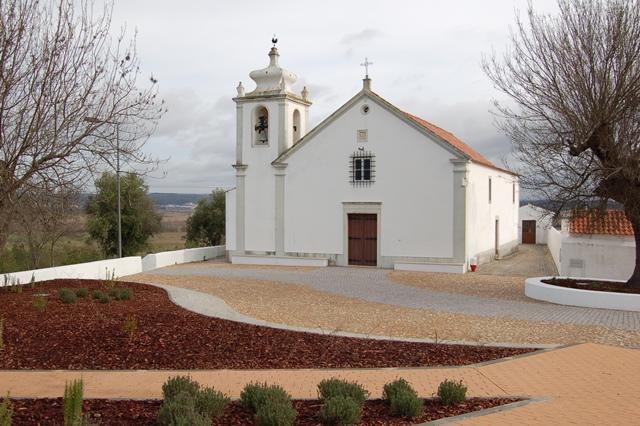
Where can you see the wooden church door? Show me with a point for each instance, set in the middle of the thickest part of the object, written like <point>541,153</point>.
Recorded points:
<point>363,239</point>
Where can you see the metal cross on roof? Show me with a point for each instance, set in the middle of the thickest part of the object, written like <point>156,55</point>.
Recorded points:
<point>366,64</point>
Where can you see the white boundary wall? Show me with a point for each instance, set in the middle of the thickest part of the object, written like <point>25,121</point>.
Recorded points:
<point>166,258</point>
<point>103,269</point>
<point>554,242</point>
<point>100,269</point>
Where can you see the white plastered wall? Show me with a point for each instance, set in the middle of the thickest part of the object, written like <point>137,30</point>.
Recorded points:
<point>482,214</point>
<point>259,184</point>
<point>541,216</point>
<point>413,184</point>
<point>230,219</point>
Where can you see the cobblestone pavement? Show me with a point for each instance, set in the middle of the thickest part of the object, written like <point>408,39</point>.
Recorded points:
<point>584,384</point>
<point>531,260</point>
<point>374,285</point>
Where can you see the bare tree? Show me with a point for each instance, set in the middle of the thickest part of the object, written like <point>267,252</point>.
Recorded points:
<point>59,65</point>
<point>574,79</point>
<point>45,217</point>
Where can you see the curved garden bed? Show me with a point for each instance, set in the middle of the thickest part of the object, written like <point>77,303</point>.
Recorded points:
<point>150,332</point>
<point>136,412</point>
<point>593,294</point>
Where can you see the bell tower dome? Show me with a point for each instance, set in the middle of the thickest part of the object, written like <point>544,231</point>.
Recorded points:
<point>271,115</point>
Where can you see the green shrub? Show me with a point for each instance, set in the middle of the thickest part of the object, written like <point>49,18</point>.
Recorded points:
<point>342,410</point>
<point>402,399</point>
<point>185,404</point>
<point>394,388</point>
<point>254,395</point>
<point>406,404</point>
<point>329,388</point>
<point>452,392</point>
<point>101,296</point>
<point>125,294</point>
<point>276,412</point>
<point>211,403</point>
<point>180,410</point>
<point>72,403</point>
<point>82,292</point>
<point>180,384</point>
<point>120,293</point>
<point>6,412</point>
<point>67,296</point>
<point>40,303</point>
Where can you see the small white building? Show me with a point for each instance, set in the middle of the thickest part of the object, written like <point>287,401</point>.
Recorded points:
<point>594,246</point>
<point>533,224</point>
<point>370,185</point>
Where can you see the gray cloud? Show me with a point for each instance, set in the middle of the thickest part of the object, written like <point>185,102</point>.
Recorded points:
<point>199,50</point>
<point>367,34</point>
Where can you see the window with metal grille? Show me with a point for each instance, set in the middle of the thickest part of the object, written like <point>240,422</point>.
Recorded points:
<point>362,168</point>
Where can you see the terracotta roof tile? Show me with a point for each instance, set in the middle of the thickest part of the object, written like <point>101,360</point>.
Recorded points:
<point>613,222</point>
<point>450,138</point>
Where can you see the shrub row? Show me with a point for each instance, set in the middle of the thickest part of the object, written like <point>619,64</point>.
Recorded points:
<point>68,296</point>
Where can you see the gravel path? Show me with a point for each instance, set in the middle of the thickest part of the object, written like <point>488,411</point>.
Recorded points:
<point>374,285</point>
<point>299,305</point>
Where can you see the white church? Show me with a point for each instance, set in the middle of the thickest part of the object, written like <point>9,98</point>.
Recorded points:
<point>371,185</point>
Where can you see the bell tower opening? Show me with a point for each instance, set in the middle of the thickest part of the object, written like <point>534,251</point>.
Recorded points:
<point>296,126</point>
<point>260,126</point>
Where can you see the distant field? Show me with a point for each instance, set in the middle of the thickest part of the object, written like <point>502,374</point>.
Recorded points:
<point>78,247</point>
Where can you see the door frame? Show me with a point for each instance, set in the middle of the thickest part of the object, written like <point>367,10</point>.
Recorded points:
<point>497,237</point>
<point>355,207</point>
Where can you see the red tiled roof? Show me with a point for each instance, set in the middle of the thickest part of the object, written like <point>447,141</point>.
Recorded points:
<point>612,222</point>
<point>454,141</point>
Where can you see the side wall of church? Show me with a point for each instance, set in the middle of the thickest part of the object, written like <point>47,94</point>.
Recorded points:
<point>412,189</point>
<point>483,213</point>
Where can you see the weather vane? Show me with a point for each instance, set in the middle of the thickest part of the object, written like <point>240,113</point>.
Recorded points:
<point>274,40</point>
<point>366,64</point>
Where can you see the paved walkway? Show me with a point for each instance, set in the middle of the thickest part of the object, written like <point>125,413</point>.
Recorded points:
<point>584,384</point>
<point>374,285</point>
<point>531,260</point>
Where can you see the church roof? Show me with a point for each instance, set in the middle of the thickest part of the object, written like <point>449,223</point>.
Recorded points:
<point>447,139</point>
<point>450,138</point>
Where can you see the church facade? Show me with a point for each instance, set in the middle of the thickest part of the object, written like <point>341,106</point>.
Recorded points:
<point>371,185</point>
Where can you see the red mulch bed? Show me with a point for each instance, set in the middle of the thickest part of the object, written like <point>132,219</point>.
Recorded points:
<point>90,335</point>
<point>130,412</point>
<point>611,286</point>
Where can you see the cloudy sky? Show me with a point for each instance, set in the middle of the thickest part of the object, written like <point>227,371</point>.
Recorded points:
<point>426,57</point>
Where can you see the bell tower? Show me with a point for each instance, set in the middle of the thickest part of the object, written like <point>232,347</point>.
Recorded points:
<point>269,120</point>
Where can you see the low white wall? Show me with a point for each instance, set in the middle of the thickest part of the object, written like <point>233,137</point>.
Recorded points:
<point>554,242</point>
<point>452,268</point>
<point>536,289</point>
<point>166,258</point>
<point>103,269</point>
<point>100,269</point>
<point>246,259</point>
<point>598,256</point>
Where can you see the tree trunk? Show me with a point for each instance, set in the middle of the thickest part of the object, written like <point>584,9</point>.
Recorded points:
<point>634,281</point>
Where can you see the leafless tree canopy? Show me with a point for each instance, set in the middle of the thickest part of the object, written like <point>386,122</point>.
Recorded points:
<point>47,215</point>
<point>59,65</point>
<point>574,79</point>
